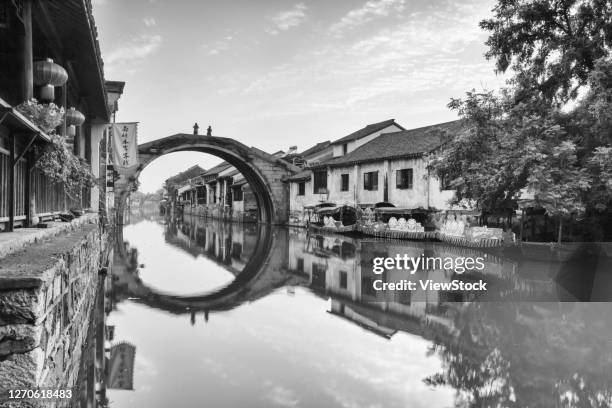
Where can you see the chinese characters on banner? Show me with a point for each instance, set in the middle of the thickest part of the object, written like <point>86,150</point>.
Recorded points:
<point>121,367</point>
<point>125,147</point>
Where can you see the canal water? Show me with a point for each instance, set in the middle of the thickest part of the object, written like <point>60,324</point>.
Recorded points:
<point>204,313</point>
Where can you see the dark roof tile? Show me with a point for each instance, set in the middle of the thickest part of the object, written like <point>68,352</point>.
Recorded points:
<point>368,130</point>
<point>398,144</point>
<point>316,148</point>
<point>217,169</point>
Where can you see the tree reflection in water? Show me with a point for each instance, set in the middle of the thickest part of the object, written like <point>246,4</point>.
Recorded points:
<point>529,355</point>
<point>493,354</point>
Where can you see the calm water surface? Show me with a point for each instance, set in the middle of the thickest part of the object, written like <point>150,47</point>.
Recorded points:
<point>229,315</point>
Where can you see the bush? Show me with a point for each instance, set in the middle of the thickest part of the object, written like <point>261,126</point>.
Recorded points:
<point>61,166</point>
<point>45,116</point>
<point>56,160</point>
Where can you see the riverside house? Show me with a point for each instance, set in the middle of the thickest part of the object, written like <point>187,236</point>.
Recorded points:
<point>301,185</point>
<point>49,52</point>
<point>220,192</point>
<point>389,167</point>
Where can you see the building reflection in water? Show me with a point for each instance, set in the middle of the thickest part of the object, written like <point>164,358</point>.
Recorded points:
<point>515,346</point>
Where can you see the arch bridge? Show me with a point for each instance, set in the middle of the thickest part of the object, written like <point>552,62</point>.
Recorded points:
<point>264,172</point>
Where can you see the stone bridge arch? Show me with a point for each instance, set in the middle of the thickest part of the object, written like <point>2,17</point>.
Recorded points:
<point>264,172</point>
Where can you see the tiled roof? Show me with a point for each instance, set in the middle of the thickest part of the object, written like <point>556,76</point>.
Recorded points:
<point>301,176</point>
<point>217,169</point>
<point>191,172</point>
<point>316,148</point>
<point>399,144</point>
<point>368,130</point>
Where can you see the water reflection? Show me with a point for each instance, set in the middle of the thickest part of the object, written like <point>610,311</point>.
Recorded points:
<point>298,324</point>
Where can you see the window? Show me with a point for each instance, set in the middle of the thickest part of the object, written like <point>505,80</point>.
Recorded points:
<point>367,286</point>
<point>344,149</point>
<point>344,182</point>
<point>236,250</point>
<point>403,179</point>
<point>343,280</point>
<point>301,188</point>
<point>238,194</point>
<point>300,264</point>
<point>370,181</point>
<point>318,275</point>
<point>320,182</point>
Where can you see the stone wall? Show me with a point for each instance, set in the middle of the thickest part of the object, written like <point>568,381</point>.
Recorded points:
<point>47,292</point>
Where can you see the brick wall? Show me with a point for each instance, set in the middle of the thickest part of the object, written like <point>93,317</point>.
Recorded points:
<point>47,293</point>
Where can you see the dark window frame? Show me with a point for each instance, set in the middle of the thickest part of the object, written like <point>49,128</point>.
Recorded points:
<point>344,182</point>
<point>343,280</point>
<point>301,188</point>
<point>238,194</point>
<point>319,182</point>
<point>404,179</point>
<point>370,181</point>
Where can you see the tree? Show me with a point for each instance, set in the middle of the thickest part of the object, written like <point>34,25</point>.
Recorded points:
<point>552,46</point>
<point>507,354</point>
<point>524,138</point>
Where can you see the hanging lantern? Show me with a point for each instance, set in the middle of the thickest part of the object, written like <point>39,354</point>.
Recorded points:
<point>49,75</point>
<point>74,118</point>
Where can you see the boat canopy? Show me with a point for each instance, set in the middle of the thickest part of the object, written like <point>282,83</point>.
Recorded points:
<point>318,206</point>
<point>334,209</point>
<point>383,204</point>
<point>399,210</point>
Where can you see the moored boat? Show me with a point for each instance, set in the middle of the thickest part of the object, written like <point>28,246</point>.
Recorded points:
<point>338,219</point>
<point>395,223</point>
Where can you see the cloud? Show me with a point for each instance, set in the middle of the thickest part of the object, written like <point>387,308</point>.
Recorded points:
<point>218,46</point>
<point>437,51</point>
<point>149,21</point>
<point>283,397</point>
<point>125,57</point>
<point>285,20</point>
<point>366,13</point>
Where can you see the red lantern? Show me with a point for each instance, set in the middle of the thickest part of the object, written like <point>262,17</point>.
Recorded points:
<point>74,118</point>
<point>49,75</point>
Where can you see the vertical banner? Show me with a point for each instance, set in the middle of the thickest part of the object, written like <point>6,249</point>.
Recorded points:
<point>121,367</point>
<point>125,147</point>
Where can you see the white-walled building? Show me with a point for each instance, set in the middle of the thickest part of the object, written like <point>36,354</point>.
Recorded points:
<point>347,144</point>
<point>379,167</point>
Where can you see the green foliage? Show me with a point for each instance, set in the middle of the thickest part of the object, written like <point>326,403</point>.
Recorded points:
<point>61,166</point>
<point>551,45</point>
<point>524,141</point>
<point>507,355</point>
<point>56,160</point>
<point>45,116</point>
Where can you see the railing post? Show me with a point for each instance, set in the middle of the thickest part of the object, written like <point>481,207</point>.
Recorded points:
<point>27,204</point>
<point>11,189</point>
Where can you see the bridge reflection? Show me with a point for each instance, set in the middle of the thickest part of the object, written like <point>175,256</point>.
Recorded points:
<point>504,352</point>
<point>263,259</point>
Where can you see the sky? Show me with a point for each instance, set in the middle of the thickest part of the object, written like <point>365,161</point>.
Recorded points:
<point>278,73</point>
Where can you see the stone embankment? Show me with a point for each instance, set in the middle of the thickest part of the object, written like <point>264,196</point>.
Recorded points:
<point>47,291</point>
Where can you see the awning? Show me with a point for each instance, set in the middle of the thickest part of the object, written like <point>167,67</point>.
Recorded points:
<point>183,189</point>
<point>17,121</point>
<point>239,183</point>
